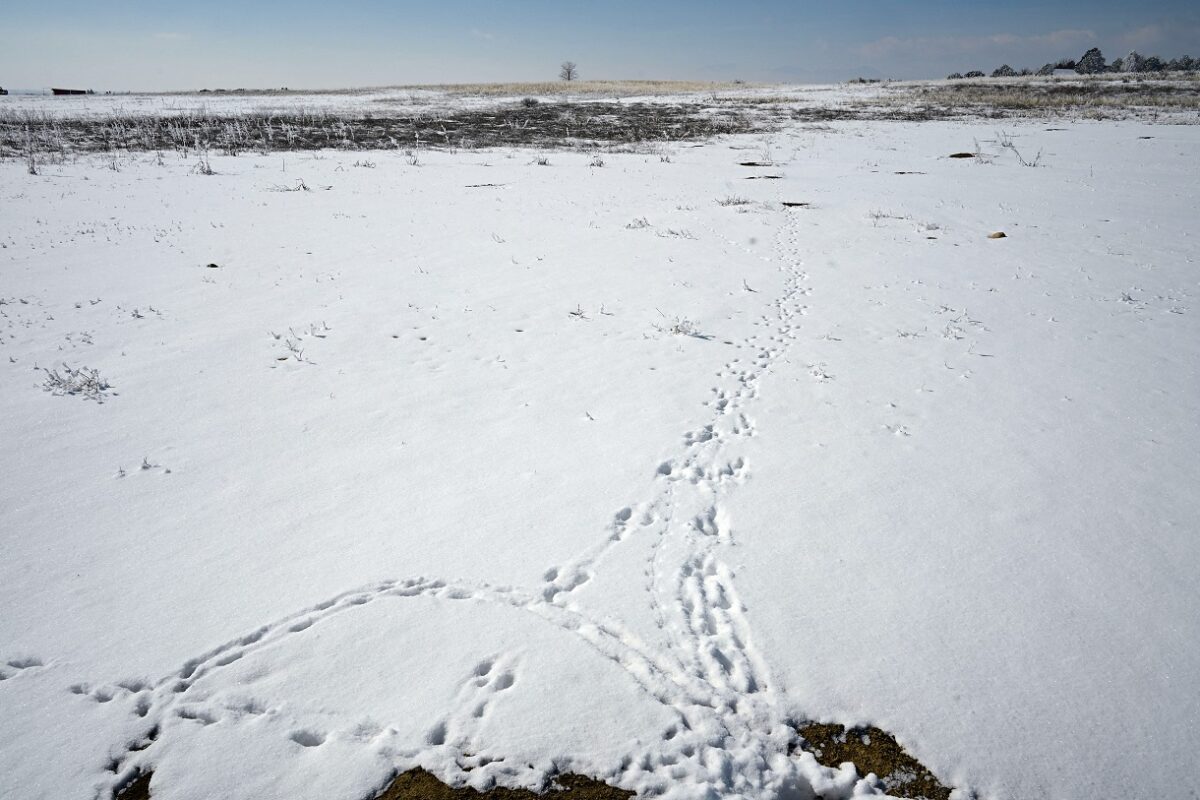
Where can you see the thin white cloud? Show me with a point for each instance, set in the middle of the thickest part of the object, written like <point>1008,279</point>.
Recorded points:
<point>1146,36</point>
<point>892,46</point>
<point>485,35</point>
<point>1063,38</point>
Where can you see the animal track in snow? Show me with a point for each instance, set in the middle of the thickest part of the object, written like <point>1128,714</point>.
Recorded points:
<point>709,675</point>
<point>26,663</point>
<point>460,729</point>
<point>307,738</point>
<point>701,436</point>
<point>19,665</point>
<point>196,713</point>
<point>564,581</point>
<point>743,426</point>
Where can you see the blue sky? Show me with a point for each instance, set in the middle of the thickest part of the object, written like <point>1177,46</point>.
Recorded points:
<point>131,45</point>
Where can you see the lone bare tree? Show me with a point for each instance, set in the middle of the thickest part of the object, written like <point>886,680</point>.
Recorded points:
<point>568,71</point>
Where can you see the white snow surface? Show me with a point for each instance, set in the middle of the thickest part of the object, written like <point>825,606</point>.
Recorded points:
<point>401,100</point>
<point>501,469</point>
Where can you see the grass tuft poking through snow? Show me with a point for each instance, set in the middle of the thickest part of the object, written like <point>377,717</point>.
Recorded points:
<point>80,381</point>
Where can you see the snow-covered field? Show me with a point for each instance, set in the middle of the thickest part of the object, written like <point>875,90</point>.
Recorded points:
<point>614,466</point>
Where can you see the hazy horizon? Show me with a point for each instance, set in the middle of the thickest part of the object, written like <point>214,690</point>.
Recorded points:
<point>136,46</point>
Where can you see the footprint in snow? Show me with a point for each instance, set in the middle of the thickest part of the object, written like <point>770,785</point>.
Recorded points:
<point>307,738</point>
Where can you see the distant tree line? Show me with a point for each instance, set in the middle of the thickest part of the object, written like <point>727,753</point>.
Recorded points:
<point>1092,63</point>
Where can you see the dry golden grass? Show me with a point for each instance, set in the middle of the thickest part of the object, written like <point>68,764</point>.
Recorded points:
<point>576,88</point>
<point>1104,93</point>
<point>757,99</point>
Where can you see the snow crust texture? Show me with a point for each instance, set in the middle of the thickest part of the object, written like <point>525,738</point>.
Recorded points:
<point>624,470</point>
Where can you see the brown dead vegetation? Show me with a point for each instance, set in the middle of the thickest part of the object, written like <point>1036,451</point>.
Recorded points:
<point>550,124</point>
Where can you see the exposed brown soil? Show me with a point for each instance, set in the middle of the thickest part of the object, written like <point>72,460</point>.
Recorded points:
<point>869,749</point>
<point>417,784</point>
<point>873,750</point>
<point>137,789</point>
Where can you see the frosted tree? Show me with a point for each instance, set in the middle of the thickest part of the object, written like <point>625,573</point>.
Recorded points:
<point>1092,62</point>
<point>568,71</point>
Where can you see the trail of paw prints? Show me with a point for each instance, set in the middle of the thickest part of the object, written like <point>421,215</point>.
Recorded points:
<point>708,473</point>
<point>713,636</point>
<point>138,692</point>
<point>714,619</point>
<point>741,377</point>
<point>703,462</point>
<point>169,701</point>
<point>561,581</point>
<point>460,731</point>
<point>170,698</point>
<point>710,676</point>
<point>697,602</point>
<point>732,740</point>
<point>728,735</point>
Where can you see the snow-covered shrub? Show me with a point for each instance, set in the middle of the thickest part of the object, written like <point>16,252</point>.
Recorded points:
<point>974,74</point>
<point>680,326</point>
<point>954,76</point>
<point>82,381</point>
<point>1003,71</point>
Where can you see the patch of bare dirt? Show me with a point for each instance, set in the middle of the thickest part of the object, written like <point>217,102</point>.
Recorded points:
<point>873,750</point>
<point>417,784</point>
